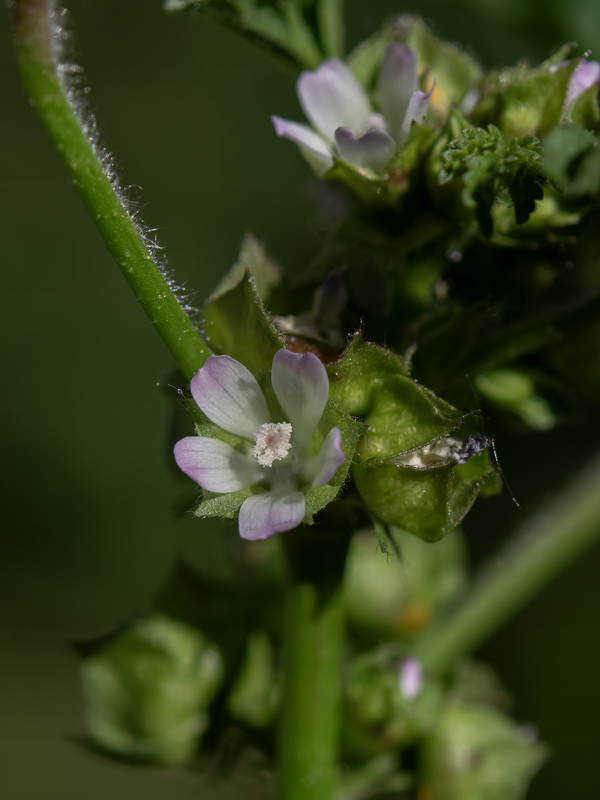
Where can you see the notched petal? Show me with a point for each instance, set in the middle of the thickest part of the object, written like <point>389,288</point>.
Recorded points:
<point>398,81</point>
<point>215,465</point>
<point>371,151</point>
<point>586,74</point>
<point>312,145</point>
<point>264,515</point>
<point>323,466</point>
<point>230,396</point>
<point>331,97</point>
<point>417,108</point>
<point>301,386</point>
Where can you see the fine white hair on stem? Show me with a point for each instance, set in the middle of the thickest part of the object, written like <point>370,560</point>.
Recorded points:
<point>71,78</point>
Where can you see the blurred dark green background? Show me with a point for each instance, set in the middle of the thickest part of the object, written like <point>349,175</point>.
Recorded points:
<point>92,504</point>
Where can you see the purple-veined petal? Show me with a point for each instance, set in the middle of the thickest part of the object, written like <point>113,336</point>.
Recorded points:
<point>215,465</point>
<point>331,97</point>
<point>398,81</point>
<point>585,75</point>
<point>301,386</point>
<point>372,150</point>
<point>324,465</point>
<point>417,108</point>
<point>264,515</point>
<point>313,147</point>
<point>230,396</point>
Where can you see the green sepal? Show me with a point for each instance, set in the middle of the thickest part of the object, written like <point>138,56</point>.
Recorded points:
<point>358,373</point>
<point>526,101</point>
<point>572,159</point>
<point>236,322</point>
<point>453,70</point>
<point>427,503</point>
<point>351,430</point>
<point>585,110</point>
<point>222,505</point>
<point>477,752</point>
<point>403,416</point>
<point>148,689</point>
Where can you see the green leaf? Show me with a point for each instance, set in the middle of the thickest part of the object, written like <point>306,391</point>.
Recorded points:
<point>147,691</point>
<point>236,322</point>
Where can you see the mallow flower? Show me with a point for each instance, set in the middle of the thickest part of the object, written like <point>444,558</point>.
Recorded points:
<point>343,119</point>
<point>280,459</point>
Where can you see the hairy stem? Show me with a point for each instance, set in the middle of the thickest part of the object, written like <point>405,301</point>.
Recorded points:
<point>313,644</point>
<point>37,36</point>
<point>549,543</point>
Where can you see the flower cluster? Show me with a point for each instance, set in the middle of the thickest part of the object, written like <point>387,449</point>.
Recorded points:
<point>276,458</point>
<point>343,119</point>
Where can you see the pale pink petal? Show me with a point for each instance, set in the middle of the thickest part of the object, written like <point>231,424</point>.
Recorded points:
<point>230,396</point>
<point>372,150</point>
<point>301,386</point>
<point>264,515</point>
<point>313,147</point>
<point>323,466</point>
<point>585,75</point>
<point>417,108</point>
<point>398,81</point>
<point>332,97</point>
<point>411,678</point>
<point>214,465</point>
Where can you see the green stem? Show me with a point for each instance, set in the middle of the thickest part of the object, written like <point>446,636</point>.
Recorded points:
<point>313,644</point>
<point>331,27</point>
<point>560,533</point>
<point>36,36</point>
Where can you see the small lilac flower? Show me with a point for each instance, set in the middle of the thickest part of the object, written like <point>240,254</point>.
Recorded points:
<point>344,122</point>
<point>275,457</point>
<point>410,678</point>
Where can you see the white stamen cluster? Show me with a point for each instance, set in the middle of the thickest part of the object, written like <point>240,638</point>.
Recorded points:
<point>272,442</point>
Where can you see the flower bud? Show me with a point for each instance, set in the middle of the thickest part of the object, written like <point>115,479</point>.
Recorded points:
<point>147,691</point>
